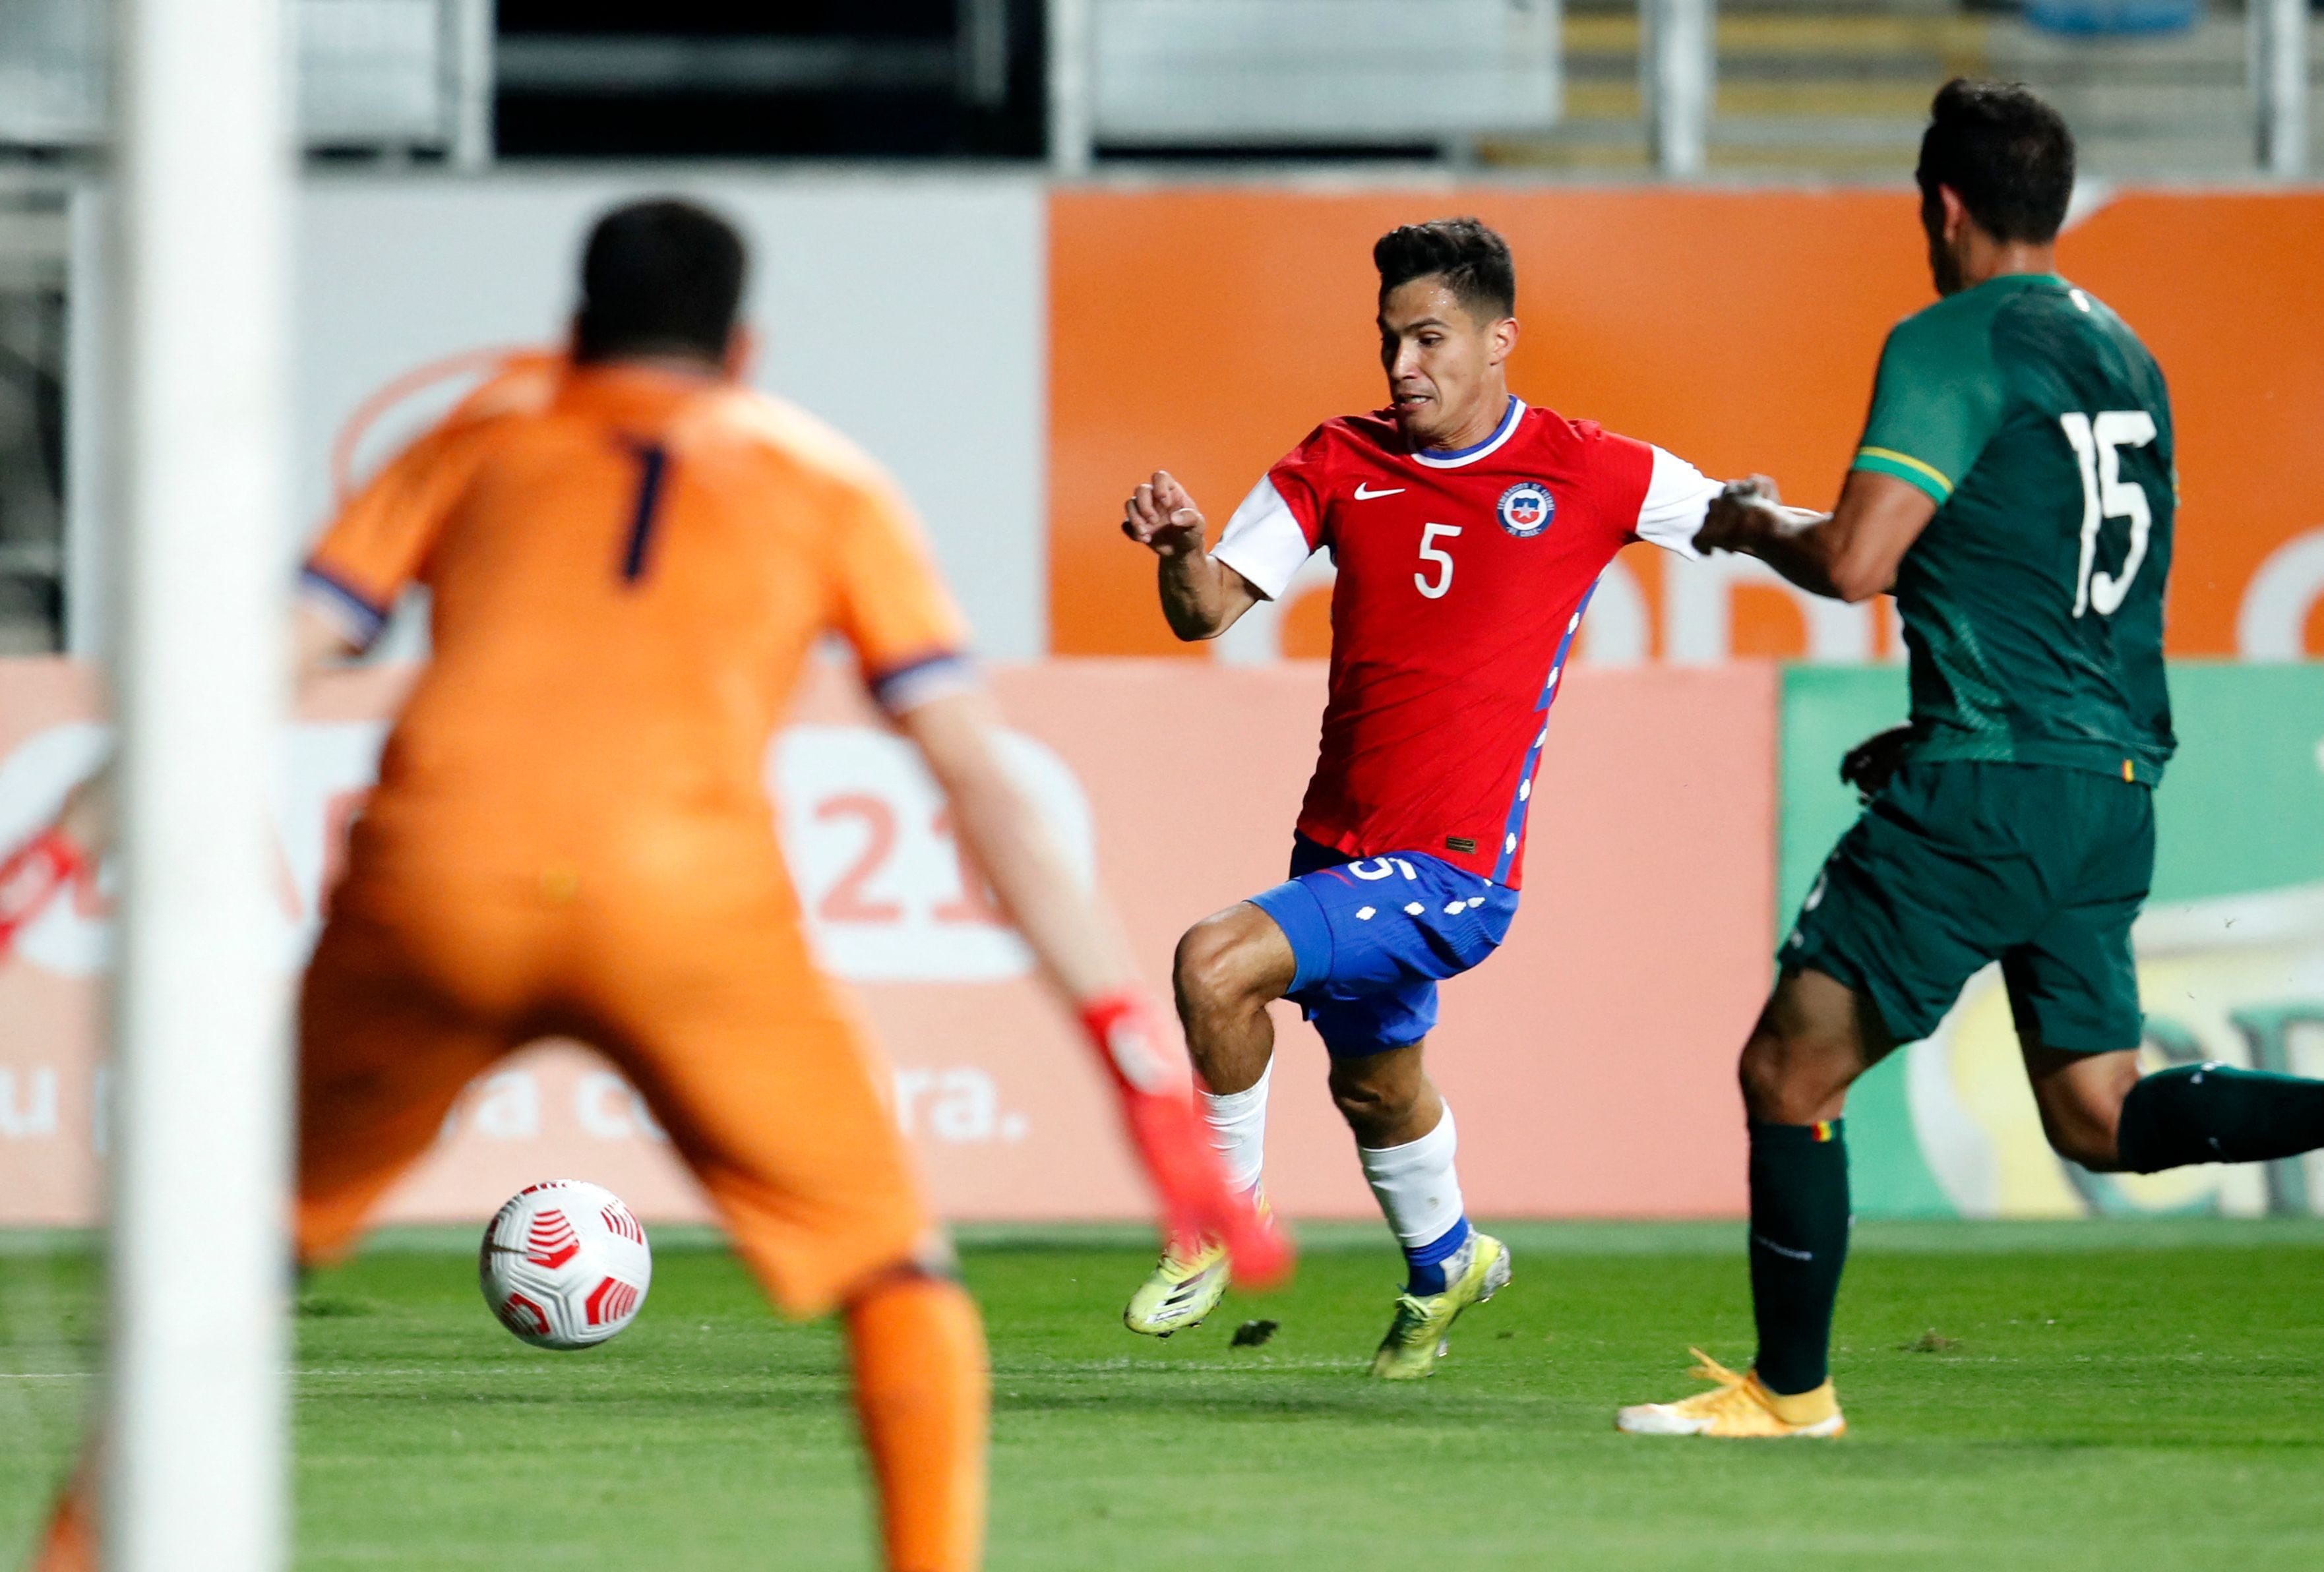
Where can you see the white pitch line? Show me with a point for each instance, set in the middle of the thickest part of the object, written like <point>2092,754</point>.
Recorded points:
<point>439,1370</point>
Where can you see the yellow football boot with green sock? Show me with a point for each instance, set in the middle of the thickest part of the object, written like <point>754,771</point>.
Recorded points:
<point>1738,1408</point>
<point>1416,1338</point>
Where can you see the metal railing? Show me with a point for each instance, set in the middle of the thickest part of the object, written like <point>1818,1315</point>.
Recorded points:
<point>387,75</point>
<point>2279,74</point>
<point>1678,73</point>
<point>1781,113</point>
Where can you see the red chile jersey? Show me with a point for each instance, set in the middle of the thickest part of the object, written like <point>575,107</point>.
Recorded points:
<point>1463,578</point>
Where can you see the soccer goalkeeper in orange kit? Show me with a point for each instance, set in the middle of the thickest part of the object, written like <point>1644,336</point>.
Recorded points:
<point>632,557</point>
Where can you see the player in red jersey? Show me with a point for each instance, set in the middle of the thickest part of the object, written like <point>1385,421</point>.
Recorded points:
<point>1467,530</point>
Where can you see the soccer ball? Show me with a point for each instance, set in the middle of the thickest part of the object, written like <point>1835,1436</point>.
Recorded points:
<point>564,1264</point>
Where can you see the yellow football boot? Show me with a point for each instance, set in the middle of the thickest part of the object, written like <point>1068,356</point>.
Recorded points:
<point>1737,1407</point>
<point>1186,1285</point>
<point>1416,1338</point>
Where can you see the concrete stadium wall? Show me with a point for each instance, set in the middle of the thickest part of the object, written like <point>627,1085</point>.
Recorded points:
<point>910,311</point>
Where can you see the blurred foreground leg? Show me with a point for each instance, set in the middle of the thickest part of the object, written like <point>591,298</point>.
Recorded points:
<point>68,1544</point>
<point>922,1392</point>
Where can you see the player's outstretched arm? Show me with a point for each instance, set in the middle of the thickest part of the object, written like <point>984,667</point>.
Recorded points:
<point>318,644</point>
<point>72,843</point>
<point>1849,553</point>
<point>84,821</point>
<point>1072,933</point>
<point>1201,595</point>
<point>1080,945</point>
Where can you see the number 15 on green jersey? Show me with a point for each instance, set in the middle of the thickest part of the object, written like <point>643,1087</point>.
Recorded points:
<point>2032,603</point>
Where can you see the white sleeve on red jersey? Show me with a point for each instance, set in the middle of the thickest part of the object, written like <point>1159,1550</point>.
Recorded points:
<point>1677,497</point>
<point>1265,541</point>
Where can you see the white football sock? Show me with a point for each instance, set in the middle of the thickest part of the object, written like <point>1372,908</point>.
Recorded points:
<point>1238,1121</point>
<point>1414,1184</point>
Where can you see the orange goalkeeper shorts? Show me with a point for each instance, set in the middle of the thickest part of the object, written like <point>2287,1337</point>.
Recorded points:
<point>768,1082</point>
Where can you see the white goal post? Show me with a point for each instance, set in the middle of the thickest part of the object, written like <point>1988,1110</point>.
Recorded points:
<point>193,1458</point>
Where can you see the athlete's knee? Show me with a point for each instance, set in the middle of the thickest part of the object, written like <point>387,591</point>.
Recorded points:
<point>911,1275</point>
<point>1221,966</point>
<point>2081,1098</point>
<point>1803,1052</point>
<point>1793,1081</point>
<point>1815,1036</point>
<point>2087,1142</point>
<point>1768,1076</point>
<point>930,1259</point>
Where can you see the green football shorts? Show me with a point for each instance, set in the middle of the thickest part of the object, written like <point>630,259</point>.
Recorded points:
<point>1956,864</point>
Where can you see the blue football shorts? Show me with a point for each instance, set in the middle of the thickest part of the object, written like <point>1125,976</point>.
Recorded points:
<point>1373,937</point>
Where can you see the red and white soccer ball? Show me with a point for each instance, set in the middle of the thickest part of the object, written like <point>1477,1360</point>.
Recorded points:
<point>564,1264</point>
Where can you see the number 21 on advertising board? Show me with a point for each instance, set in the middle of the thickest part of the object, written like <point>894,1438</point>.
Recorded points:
<point>890,895</point>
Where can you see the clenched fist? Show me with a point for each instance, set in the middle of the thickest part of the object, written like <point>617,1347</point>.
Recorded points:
<point>1161,517</point>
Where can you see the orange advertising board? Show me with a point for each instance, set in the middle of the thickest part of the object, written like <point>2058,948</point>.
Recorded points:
<point>1588,1082</point>
<point>1207,331</point>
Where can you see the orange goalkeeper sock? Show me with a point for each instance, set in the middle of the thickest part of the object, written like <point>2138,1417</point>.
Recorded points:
<point>71,1543</point>
<point>922,1392</point>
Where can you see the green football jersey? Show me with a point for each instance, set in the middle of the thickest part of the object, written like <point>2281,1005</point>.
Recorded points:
<point>2032,603</point>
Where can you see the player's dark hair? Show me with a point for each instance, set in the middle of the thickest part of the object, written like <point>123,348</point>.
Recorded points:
<point>1473,262</point>
<point>661,277</point>
<point>2006,154</point>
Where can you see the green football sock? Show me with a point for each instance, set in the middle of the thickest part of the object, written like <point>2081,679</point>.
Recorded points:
<point>2213,1113</point>
<point>1799,1242</point>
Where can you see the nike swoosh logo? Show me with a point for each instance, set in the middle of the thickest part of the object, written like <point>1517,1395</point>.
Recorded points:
<point>1365,494</point>
<point>1783,1250</point>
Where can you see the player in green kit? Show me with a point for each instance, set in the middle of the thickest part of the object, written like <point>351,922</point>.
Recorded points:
<point>2015,490</point>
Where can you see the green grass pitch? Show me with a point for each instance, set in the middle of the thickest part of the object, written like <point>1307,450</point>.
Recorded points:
<point>2102,1396</point>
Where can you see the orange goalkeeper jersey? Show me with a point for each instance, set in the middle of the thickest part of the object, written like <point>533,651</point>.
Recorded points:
<point>627,567</point>
<point>571,833</point>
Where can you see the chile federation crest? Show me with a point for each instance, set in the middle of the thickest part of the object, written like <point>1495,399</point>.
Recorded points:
<point>1525,509</point>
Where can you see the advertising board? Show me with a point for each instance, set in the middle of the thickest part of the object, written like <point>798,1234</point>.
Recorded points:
<point>1174,785</point>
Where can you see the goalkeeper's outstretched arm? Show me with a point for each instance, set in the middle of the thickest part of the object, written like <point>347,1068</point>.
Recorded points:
<point>1072,932</point>
<point>1079,943</point>
<point>76,838</point>
<point>317,645</point>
